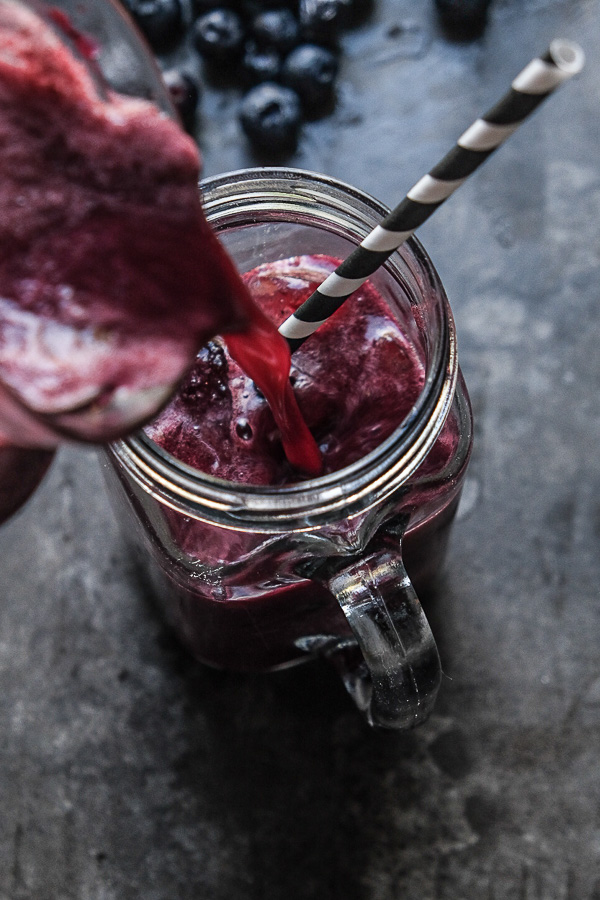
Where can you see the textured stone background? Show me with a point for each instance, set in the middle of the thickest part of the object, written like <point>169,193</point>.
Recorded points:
<point>127,771</point>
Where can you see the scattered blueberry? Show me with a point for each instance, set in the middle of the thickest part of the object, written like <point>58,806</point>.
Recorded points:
<point>271,115</point>
<point>284,50</point>
<point>185,93</point>
<point>463,18</point>
<point>219,35</point>
<point>360,10</point>
<point>277,29</point>
<point>199,7</point>
<point>311,71</point>
<point>253,7</point>
<point>161,21</point>
<point>322,20</point>
<point>260,63</point>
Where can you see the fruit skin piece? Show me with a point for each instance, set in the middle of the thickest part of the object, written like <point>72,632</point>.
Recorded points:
<point>160,21</point>
<point>311,71</point>
<point>463,18</point>
<point>184,89</point>
<point>219,36</point>
<point>271,115</point>
<point>277,29</point>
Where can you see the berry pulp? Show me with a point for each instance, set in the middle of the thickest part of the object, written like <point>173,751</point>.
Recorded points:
<point>355,380</point>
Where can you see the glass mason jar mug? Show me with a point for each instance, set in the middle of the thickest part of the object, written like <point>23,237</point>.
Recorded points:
<point>255,578</point>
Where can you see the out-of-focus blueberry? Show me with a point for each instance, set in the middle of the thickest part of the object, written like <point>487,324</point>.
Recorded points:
<point>277,29</point>
<point>260,63</point>
<point>311,71</point>
<point>184,89</point>
<point>271,115</point>
<point>463,18</point>
<point>161,21</point>
<point>322,20</point>
<point>219,35</point>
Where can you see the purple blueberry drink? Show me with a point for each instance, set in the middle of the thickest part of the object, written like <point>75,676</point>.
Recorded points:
<point>256,566</point>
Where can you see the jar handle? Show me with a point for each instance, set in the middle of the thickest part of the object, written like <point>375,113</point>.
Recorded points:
<point>396,681</point>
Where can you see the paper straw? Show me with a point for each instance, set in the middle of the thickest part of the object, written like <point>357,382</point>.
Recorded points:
<point>536,82</point>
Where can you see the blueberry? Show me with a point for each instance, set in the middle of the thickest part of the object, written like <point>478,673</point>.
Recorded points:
<point>260,63</point>
<point>219,35</point>
<point>271,115</point>
<point>254,7</point>
<point>322,20</point>
<point>199,7</point>
<point>160,21</point>
<point>185,93</point>
<point>277,29</point>
<point>311,71</point>
<point>359,12</point>
<point>463,18</point>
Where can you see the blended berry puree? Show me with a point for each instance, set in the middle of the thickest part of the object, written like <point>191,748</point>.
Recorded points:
<point>355,380</point>
<point>110,277</point>
<point>233,603</point>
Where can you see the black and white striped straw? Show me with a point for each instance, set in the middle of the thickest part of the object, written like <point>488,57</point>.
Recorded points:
<point>537,81</point>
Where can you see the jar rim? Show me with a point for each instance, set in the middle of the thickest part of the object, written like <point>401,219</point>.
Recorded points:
<point>353,489</point>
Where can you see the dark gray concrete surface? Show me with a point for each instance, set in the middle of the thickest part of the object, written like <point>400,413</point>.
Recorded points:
<point>127,771</point>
